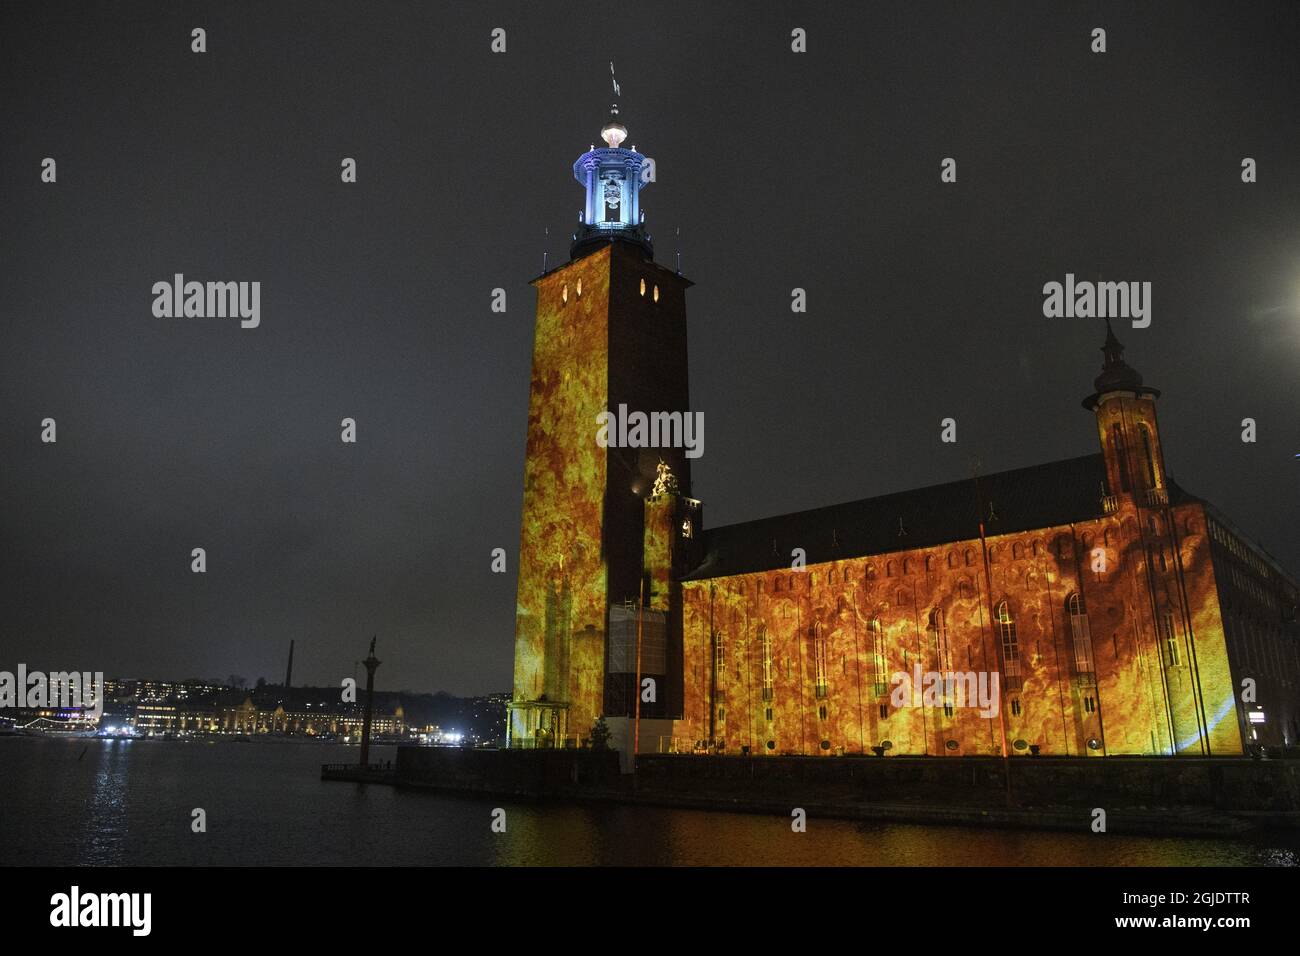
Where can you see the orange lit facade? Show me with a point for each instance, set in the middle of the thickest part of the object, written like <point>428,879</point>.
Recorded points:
<point>1107,610</point>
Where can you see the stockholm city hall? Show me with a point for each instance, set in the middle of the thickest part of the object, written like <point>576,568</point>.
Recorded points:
<point>1118,613</point>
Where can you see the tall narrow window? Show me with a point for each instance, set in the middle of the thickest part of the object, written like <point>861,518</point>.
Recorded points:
<point>1117,449</point>
<point>1171,639</point>
<point>939,641</point>
<point>1081,633</point>
<point>1010,643</point>
<point>879,677</point>
<point>819,659</point>
<point>720,653</point>
<point>765,645</point>
<point>1149,456</point>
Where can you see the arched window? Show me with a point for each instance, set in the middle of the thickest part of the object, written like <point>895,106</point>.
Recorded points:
<point>879,665</point>
<point>889,569</point>
<point>1149,456</point>
<point>1010,643</point>
<point>1117,449</point>
<point>952,559</point>
<point>939,640</point>
<point>818,634</point>
<point>970,557</point>
<point>1081,633</point>
<point>643,286</point>
<point>1017,551</point>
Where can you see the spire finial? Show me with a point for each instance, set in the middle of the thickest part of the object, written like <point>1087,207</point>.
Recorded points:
<point>1113,349</point>
<point>614,132</point>
<point>1115,372</point>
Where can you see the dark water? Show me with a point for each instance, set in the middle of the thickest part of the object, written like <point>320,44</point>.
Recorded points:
<point>69,802</point>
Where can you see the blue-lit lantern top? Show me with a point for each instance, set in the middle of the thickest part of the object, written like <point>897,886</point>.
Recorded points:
<point>613,178</point>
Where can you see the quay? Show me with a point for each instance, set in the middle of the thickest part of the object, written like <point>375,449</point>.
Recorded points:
<point>1198,797</point>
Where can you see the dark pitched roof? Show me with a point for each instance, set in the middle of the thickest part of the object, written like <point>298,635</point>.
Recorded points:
<point>1036,497</point>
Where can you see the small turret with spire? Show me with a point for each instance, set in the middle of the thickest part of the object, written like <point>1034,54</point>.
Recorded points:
<point>1126,425</point>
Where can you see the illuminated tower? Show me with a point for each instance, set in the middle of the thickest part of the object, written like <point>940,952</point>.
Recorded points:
<point>609,336</point>
<point>1126,423</point>
<point>1178,636</point>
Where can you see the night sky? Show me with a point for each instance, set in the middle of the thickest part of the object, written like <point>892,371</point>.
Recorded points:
<point>782,170</point>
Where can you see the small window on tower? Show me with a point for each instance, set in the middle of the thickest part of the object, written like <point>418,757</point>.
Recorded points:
<point>643,286</point>
<point>686,528</point>
<point>656,294</point>
<point>564,294</point>
<point>579,289</point>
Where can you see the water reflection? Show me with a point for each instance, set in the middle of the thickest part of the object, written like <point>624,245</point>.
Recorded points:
<point>70,802</point>
<point>104,825</point>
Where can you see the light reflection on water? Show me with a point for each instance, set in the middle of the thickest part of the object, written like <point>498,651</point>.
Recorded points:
<point>69,802</point>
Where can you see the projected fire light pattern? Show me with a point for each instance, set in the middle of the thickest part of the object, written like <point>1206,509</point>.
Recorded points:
<point>1102,636</point>
<point>560,622</point>
<point>803,661</point>
<point>658,539</point>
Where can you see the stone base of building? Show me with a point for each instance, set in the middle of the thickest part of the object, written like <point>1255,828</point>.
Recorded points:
<point>655,737</point>
<point>1165,796</point>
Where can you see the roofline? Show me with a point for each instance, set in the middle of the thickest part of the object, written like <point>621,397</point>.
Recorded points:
<point>1093,400</point>
<point>1219,516</point>
<point>609,244</point>
<point>904,491</point>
